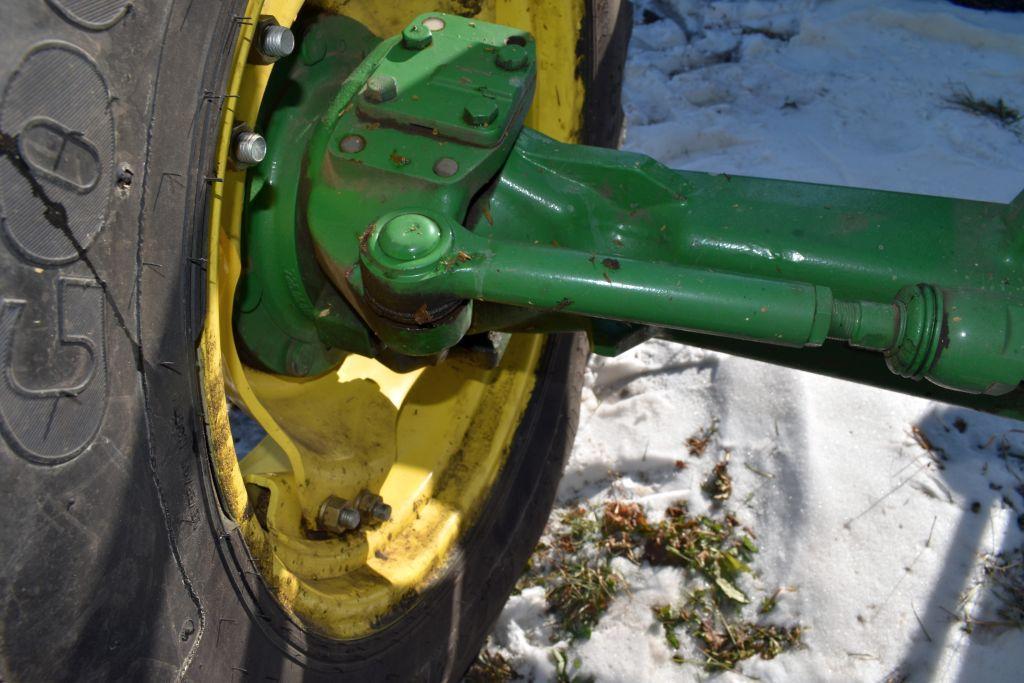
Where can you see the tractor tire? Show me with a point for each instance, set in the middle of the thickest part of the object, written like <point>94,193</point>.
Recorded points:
<point>118,561</point>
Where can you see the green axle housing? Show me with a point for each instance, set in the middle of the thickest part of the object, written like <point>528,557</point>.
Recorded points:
<point>403,206</point>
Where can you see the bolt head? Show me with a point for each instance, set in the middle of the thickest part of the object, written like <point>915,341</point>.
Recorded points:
<point>480,111</point>
<point>352,144</point>
<point>275,41</point>
<point>511,57</point>
<point>249,149</point>
<point>446,167</point>
<point>416,36</point>
<point>409,236</point>
<point>381,88</point>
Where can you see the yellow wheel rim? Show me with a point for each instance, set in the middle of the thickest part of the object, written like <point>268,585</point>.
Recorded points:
<point>430,442</point>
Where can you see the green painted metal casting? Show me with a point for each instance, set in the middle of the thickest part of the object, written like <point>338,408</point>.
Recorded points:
<point>403,206</point>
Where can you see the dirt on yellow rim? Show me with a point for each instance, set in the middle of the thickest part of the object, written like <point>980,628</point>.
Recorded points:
<point>430,442</point>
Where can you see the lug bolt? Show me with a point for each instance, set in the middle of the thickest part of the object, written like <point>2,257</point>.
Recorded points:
<point>446,167</point>
<point>352,144</point>
<point>511,57</point>
<point>480,111</point>
<point>381,512</point>
<point>416,37</point>
<point>373,505</point>
<point>349,518</point>
<point>274,41</point>
<point>248,149</point>
<point>337,515</point>
<point>381,89</point>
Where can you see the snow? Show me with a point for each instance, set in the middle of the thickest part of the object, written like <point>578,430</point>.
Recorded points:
<point>876,539</point>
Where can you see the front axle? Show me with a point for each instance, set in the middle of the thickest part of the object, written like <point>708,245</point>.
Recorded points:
<point>404,211</point>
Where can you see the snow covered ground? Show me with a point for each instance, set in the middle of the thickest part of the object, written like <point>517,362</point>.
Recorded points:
<point>878,541</point>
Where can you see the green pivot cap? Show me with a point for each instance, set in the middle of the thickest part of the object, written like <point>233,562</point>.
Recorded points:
<point>409,236</point>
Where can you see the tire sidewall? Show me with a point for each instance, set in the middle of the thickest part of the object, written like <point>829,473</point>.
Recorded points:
<point>131,568</point>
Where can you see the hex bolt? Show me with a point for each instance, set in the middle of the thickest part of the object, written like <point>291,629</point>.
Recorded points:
<point>274,41</point>
<point>446,167</point>
<point>349,518</point>
<point>248,148</point>
<point>480,111</point>
<point>352,144</point>
<point>337,515</point>
<point>381,88</point>
<point>373,505</point>
<point>416,37</point>
<point>511,57</point>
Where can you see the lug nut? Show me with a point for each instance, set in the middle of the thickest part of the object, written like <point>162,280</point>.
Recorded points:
<point>337,515</point>
<point>274,41</point>
<point>248,149</point>
<point>373,505</point>
<point>381,89</point>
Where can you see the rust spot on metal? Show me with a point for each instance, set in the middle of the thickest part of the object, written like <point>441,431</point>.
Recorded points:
<point>399,160</point>
<point>610,263</point>
<point>364,239</point>
<point>463,256</point>
<point>487,214</point>
<point>421,316</point>
<point>564,303</point>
